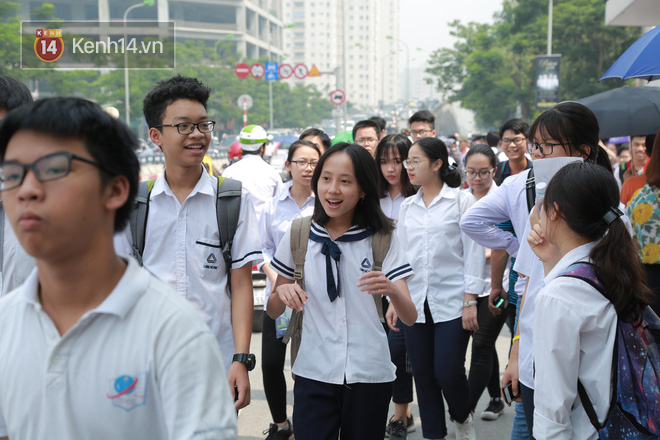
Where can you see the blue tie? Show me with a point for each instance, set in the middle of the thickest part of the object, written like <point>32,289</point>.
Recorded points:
<point>330,249</point>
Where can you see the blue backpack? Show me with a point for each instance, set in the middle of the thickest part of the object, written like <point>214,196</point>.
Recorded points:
<point>635,404</point>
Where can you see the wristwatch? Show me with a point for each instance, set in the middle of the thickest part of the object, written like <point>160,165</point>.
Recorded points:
<point>248,359</point>
<point>469,303</point>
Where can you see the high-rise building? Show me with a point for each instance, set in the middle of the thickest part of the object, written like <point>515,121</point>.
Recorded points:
<point>255,26</point>
<point>354,44</point>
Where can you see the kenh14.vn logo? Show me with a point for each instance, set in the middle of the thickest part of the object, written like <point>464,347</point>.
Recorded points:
<point>49,45</point>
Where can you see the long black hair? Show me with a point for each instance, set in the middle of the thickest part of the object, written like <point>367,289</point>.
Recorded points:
<point>571,123</point>
<point>368,214</point>
<point>395,143</point>
<point>584,193</point>
<point>435,149</point>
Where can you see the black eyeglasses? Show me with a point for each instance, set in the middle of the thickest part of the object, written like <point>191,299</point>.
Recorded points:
<point>50,167</point>
<point>545,148</point>
<point>189,127</point>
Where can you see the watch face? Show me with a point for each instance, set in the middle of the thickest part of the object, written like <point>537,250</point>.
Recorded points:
<point>251,362</point>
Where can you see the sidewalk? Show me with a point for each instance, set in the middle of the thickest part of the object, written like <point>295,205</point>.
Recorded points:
<point>256,417</point>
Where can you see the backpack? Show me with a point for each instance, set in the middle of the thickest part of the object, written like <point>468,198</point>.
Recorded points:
<point>300,228</point>
<point>635,403</point>
<point>227,208</point>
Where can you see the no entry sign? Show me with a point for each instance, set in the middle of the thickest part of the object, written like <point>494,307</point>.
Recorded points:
<point>242,70</point>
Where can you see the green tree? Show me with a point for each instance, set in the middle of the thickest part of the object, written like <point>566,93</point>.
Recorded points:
<point>491,68</point>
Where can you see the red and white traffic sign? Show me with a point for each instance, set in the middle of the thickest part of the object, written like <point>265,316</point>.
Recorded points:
<point>257,70</point>
<point>338,97</point>
<point>242,70</point>
<point>300,71</point>
<point>286,71</point>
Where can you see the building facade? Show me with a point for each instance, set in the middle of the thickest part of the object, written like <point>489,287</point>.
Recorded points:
<point>354,44</point>
<point>254,26</point>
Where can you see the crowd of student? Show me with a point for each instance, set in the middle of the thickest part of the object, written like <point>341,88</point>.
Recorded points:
<point>383,257</point>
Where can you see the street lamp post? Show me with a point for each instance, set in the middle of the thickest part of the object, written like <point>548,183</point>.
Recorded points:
<point>389,37</point>
<point>126,92</point>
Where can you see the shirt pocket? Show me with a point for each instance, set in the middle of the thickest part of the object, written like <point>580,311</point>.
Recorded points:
<point>208,258</point>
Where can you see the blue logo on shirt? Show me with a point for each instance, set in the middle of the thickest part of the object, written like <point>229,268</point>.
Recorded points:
<point>128,392</point>
<point>365,266</point>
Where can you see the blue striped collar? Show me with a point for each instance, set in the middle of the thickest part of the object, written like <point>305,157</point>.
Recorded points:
<point>320,234</point>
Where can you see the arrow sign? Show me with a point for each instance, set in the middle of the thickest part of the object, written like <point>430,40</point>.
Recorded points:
<point>242,70</point>
<point>300,71</point>
<point>338,97</point>
<point>257,70</point>
<point>286,71</point>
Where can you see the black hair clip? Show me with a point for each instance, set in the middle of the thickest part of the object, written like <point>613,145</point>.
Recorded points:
<point>611,215</point>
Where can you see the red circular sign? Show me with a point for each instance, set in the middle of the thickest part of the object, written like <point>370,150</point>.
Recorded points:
<point>48,49</point>
<point>285,71</point>
<point>257,70</point>
<point>300,71</point>
<point>338,97</point>
<point>242,70</point>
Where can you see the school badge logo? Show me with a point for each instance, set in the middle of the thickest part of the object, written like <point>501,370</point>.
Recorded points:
<point>49,45</point>
<point>128,392</point>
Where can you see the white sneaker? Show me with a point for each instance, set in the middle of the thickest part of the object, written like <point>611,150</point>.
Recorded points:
<point>465,430</point>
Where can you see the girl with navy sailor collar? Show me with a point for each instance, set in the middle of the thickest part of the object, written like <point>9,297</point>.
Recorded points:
<point>449,277</point>
<point>297,200</point>
<point>343,368</point>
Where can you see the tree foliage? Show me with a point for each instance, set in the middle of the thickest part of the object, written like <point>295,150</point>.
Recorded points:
<point>213,64</point>
<point>491,68</point>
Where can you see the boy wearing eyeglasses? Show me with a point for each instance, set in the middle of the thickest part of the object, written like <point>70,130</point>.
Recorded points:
<point>15,264</point>
<point>94,345</point>
<point>367,134</point>
<point>182,241</point>
<point>422,124</point>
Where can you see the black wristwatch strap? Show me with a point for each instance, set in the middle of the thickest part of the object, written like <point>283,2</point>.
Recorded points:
<point>248,359</point>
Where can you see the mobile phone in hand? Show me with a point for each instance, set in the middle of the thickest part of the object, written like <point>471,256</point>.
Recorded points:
<point>507,392</point>
<point>498,302</point>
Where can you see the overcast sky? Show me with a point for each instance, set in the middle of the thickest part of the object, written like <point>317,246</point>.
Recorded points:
<point>424,23</point>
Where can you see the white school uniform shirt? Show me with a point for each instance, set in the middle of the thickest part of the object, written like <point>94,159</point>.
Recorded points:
<point>574,334</point>
<point>141,365</point>
<point>487,265</point>
<point>509,202</point>
<point>16,263</point>
<point>447,262</point>
<point>530,265</point>
<point>262,181</point>
<point>182,248</point>
<point>391,206</point>
<point>276,220</point>
<point>342,341</point>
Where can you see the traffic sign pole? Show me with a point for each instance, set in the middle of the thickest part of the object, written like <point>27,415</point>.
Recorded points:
<point>244,111</point>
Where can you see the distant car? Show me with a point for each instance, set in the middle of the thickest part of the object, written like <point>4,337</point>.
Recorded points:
<point>277,161</point>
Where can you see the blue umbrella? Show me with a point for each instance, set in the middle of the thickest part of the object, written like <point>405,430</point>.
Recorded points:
<point>641,60</point>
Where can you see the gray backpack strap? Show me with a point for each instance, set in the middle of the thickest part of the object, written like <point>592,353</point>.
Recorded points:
<point>138,218</point>
<point>227,208</point>
<point>300,229</point>
<point>380,245</point>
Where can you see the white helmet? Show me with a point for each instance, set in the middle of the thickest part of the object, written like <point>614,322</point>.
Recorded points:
<point>253,137</point>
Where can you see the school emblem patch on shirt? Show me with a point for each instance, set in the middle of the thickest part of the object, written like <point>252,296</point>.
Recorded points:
<point>128,392</point>
<point>365,266</point>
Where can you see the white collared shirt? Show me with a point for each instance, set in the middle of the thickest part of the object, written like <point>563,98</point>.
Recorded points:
<point>182,248</point>
<point>574,334</point>
<point>261,180</point>
<point>447,263</point>
<point>342,340</point>
<point>391,206</point>
<point>142,365</point>
<point>529,264</point>
<point>16,263</point>
<point>276,220</point>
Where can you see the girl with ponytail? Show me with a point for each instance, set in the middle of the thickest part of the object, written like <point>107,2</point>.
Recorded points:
<point>448,279</point>
<point>574,324</point>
